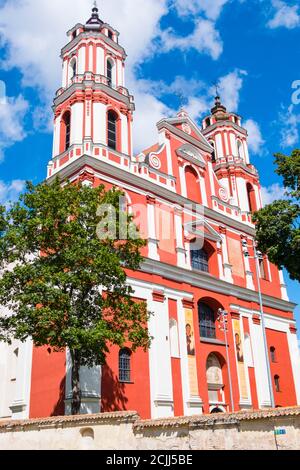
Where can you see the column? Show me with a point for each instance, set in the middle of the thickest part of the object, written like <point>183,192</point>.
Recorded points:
<point>21,401</point>
<point>182,178</point>
<point>284,294</point>
<point>249,274</point>
<point>162,405</point>
<point>227,265</point>
<point>88,123</point>
<point>295,358</point>
<point>180,250</point>
<point>259,358</point>
<point>152,238</point>
<point>220,261</point>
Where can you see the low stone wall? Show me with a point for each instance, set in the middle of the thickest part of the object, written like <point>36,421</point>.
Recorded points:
<point>269,430</point>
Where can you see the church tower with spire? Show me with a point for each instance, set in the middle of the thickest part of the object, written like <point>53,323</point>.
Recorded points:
<point>228,137</point>
<point>92,110</point>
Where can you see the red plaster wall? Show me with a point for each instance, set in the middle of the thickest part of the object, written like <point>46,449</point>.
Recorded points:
<point>282,367</point>
<point>47,383</point>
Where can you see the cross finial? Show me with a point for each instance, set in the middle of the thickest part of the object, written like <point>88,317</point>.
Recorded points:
<point>216,85</point>
<point>182,99</point>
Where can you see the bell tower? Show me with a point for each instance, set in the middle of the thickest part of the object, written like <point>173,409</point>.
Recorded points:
<point>93,111</point>
<point>232,166</point>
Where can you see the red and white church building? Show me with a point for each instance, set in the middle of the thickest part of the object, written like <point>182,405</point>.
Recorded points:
<point>196,183</point>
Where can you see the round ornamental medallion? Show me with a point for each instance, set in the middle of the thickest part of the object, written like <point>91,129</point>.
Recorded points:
<point>186,128</point>
<point>223,194</point>
<point>155,162</point>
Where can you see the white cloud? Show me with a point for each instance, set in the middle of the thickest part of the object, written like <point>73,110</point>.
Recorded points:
<point>9,192</point>
<point>204,39</point>
<point>211,8</point>
<point>285,15</point>
<point>289,121</point>
<point>12,113</point>
<point>255,139</point>
<point>229,89</point>
<point>272,193</point>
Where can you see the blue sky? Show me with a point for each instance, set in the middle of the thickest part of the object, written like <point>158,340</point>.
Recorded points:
<point>177,50</point>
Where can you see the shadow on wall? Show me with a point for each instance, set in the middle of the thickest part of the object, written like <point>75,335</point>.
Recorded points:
<point>59,408</point>
<point>113,391</point>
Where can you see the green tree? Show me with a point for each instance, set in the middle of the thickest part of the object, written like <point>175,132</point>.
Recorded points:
<point>277,224</point>
<point>53,262</point>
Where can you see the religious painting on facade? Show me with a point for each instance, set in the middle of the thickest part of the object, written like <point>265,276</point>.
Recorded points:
<point>240,359</point>
<point>190,341</point>
<point>191,352</point>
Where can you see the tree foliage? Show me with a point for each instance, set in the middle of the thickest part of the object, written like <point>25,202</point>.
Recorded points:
<point>277,224</point>
<point>64,286</point>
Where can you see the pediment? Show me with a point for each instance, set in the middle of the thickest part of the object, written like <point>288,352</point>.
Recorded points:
<point>192,154</point>
<point>201,228</point>
<point>187,126</point>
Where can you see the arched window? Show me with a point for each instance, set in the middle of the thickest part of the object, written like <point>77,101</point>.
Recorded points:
<point>174,346</point>
<point>251,198</point>
<point>199,260</point>
<point>125,365</point>
<point>207,324</point>
<point>213,156</point>
<point>74,68</point>
<point>277,383</point>
<point>112,130</point>
<point>239,148</point>
<point>110,34</point>
<point>273,354</point>
<point>65,131</point>
<point>207,122</point>
<point>109,72</point>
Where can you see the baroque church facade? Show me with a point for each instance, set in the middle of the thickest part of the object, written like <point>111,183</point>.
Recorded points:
<point>198,189</point>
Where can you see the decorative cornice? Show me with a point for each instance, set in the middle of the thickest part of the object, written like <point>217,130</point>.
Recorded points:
<point>206,281</point>
<point>96,87</point>
<point>148,185</point>
<point>185,137</point>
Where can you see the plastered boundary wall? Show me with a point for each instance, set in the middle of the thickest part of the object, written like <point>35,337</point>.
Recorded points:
<point>269,430</point>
